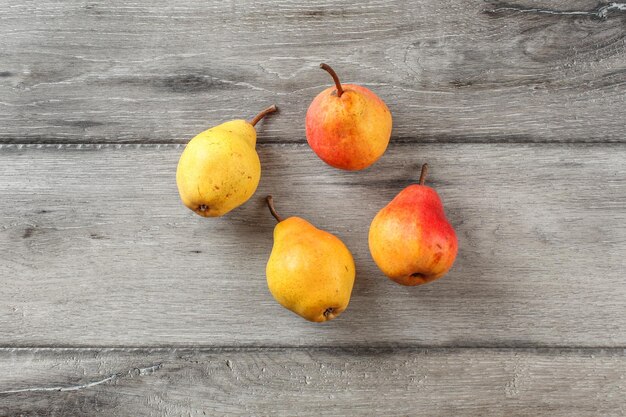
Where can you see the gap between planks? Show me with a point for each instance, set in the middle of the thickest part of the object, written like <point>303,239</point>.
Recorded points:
<point>174,145</point>
<point>509,140</point>
<point>354,350</point>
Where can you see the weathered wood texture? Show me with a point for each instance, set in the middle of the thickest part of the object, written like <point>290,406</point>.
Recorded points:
<point>312,382</point>
<point>451,70</point>
<point>96,249</point>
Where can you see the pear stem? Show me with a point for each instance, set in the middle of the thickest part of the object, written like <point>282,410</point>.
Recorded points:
<point>333,74</point>
<point>263,113</point>
<point>270,204</point>
<point>423,174</point>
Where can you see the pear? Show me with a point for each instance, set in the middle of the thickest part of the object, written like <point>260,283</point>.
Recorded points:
<point>410,239</point>
<point>348,126</point>
<point>219,169</point>
<point>310,272</point>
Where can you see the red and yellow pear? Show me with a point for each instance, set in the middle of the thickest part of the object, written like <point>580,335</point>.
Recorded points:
<point>348,126</point>
<point>410,239</point>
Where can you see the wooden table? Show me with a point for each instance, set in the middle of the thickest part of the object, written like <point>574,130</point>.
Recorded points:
<point>118,301</point>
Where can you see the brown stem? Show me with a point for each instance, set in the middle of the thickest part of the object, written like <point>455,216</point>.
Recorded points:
<point>423,174</point>
<point>333,74</point>
<point>270,204</point>
<point>270,109</point>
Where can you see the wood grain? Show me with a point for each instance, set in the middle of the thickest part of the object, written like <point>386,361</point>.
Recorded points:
<point>305,382</point>
<point>97,250</point>
<point>450,71</point>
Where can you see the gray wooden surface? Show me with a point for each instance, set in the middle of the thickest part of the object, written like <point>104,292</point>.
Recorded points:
<point>119,301</point>
<point>474,382</point>
<point>450,70</point>
<point>98,250</point>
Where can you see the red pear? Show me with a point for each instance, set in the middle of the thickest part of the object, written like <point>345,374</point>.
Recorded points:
<point>348,126</point>
<point>410,239</point>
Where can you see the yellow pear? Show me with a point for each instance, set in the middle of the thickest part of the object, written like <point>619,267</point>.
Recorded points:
<point>310,272</point>
<point>219,169</point>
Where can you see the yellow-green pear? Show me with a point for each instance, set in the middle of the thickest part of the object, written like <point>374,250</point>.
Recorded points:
<point>310,272</point>
<point>219,169</point>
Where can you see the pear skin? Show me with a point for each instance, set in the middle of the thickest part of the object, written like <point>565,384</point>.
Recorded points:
<point>410,239</point>
<point>348,126</point>
<point>220,169</point>
<point>310,271</point>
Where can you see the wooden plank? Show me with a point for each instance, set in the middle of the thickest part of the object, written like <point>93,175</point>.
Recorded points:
<point>302,383</point>
<point>97,250</point>
<point>451,70</point>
